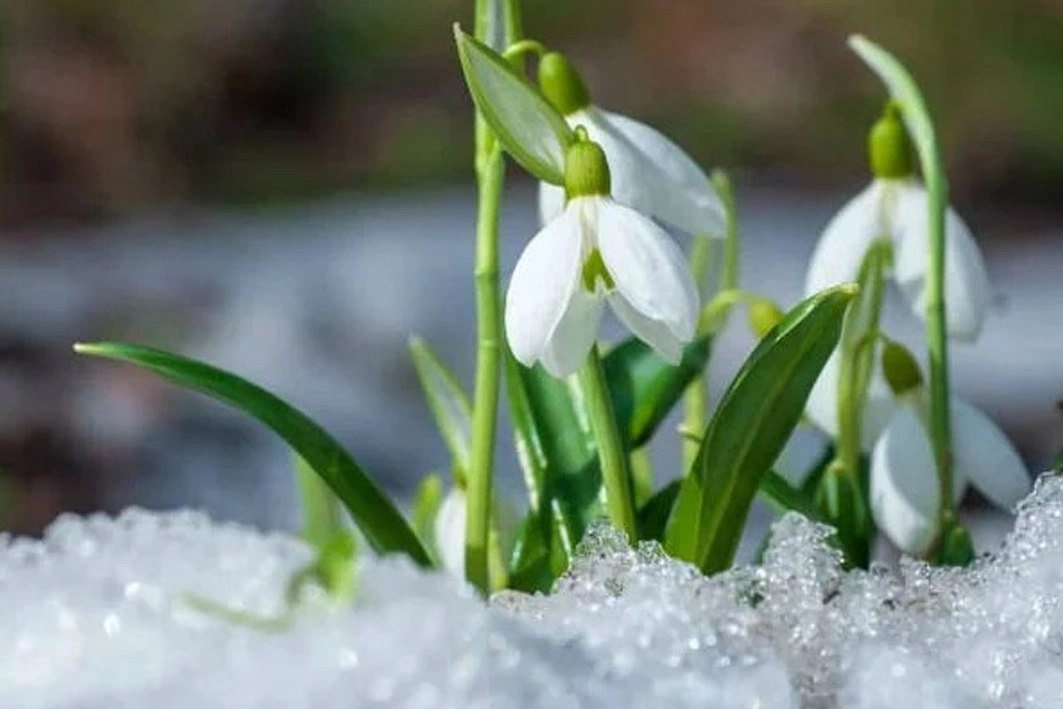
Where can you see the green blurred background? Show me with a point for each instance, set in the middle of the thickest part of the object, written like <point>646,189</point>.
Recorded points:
<point>112,105</point>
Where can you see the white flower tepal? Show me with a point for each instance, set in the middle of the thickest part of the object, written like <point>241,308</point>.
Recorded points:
<point>896,209</point>
<point>650,173</point>
<point>905,493</point>
<point>597,251</point>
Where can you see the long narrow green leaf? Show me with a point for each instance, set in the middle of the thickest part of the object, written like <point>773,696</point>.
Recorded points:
<point>645,387</point>
<point>448,402</point>
<point>379,520</point>
<point>755,418</point>
<point>529,128</point>
<point>787,498</point>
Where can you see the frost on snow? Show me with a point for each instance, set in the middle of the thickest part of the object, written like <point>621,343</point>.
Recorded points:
<point>95,616</point>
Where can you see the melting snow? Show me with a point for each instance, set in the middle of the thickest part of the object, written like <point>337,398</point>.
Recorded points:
<point>95,615</point>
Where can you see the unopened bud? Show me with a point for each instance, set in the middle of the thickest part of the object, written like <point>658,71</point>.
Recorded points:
<point>561,84</point>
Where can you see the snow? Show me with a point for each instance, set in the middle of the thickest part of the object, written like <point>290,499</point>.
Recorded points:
<point>96,615</point>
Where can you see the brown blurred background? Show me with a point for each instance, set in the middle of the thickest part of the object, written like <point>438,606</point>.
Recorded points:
<point>136,133</point>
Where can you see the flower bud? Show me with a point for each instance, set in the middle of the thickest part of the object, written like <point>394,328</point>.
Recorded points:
<point>763,315</point>
<point>889,145</point>
<point>901,370</point>
<point>561,84</point>
<point>586,169</point>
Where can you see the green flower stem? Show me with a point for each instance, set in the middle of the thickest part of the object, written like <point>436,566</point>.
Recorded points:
<point>696,398</point>
<point>615,475</point>
<point>905,92</point>
<point>857,356</point>
<point>937,344</point>
<point>490,176</point>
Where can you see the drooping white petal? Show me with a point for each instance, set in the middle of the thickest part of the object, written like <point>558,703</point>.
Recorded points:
<point>967,291</point>
<point>822,405</point>
<point>571,340</point>
<point>696,208</point>
<point>649,270</point>
<point>904,484</point>
<point>551,201</point>
<point>640,183</point>
<point>985,457</point>
<point>543,282</point>
<point>450,532</point>
<point>846,240</point>
<point>653,332</point>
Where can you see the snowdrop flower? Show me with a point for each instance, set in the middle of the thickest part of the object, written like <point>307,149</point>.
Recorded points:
<point>894,207</point>
<point>905,492</point>
<point>650,173</point>
<point>594,251</point>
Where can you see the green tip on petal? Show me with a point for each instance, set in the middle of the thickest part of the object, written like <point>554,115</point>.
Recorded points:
<point>561,84</point>
<point>900,368</point>
<point>586,169</point>
<point>889,145</point>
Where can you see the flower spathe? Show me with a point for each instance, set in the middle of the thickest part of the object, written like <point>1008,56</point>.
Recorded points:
<point>896,209</point>
<point>905,495</point>
<point>597,251</point>
<point>449,528</point>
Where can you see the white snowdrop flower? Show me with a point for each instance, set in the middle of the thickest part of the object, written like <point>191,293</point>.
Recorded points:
<point>650,173</point>
<point>450,532</point>
<point>905,492</point>
<point>894,207</point>
<point>597,251</point>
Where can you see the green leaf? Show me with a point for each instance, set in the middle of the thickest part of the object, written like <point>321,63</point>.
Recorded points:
<point>530,565</point>
<point>905,92</point>
<point>426,504</point>
<point>653,516</point>
<point>755,418</point>
<point>787,498</point>
<point>572,480</point>
<point>644,387</point>
<point>529,128</point>
<point>448,402</point>
<point>377,518</point>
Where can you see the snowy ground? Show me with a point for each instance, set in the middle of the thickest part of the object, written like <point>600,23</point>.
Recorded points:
<point>95,617</point>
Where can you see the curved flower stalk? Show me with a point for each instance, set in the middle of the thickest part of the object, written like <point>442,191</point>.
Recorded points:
<point>905,495</point>
<point>650,173</point>
<point>596,251</point>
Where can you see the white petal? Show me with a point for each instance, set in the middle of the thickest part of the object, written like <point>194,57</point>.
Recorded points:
<point>640,183</point>
<point>654,333</point>
<point>966,283</point>
<point>822,405</point>
<point>985,457</point>
<point>551,201</point>
<point>570,342</point>
<point>700,207</point>
<point>648,268</point>
<point>845,241</point>
<point>904,485</point>
<point>450,532</point>
<point>543,281</point>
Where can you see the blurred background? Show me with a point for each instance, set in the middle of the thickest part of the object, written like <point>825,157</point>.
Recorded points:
<point>284,188</point>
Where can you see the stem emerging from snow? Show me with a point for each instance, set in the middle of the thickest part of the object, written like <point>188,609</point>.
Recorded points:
<point>615,474</point>
<point>490,177</point>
